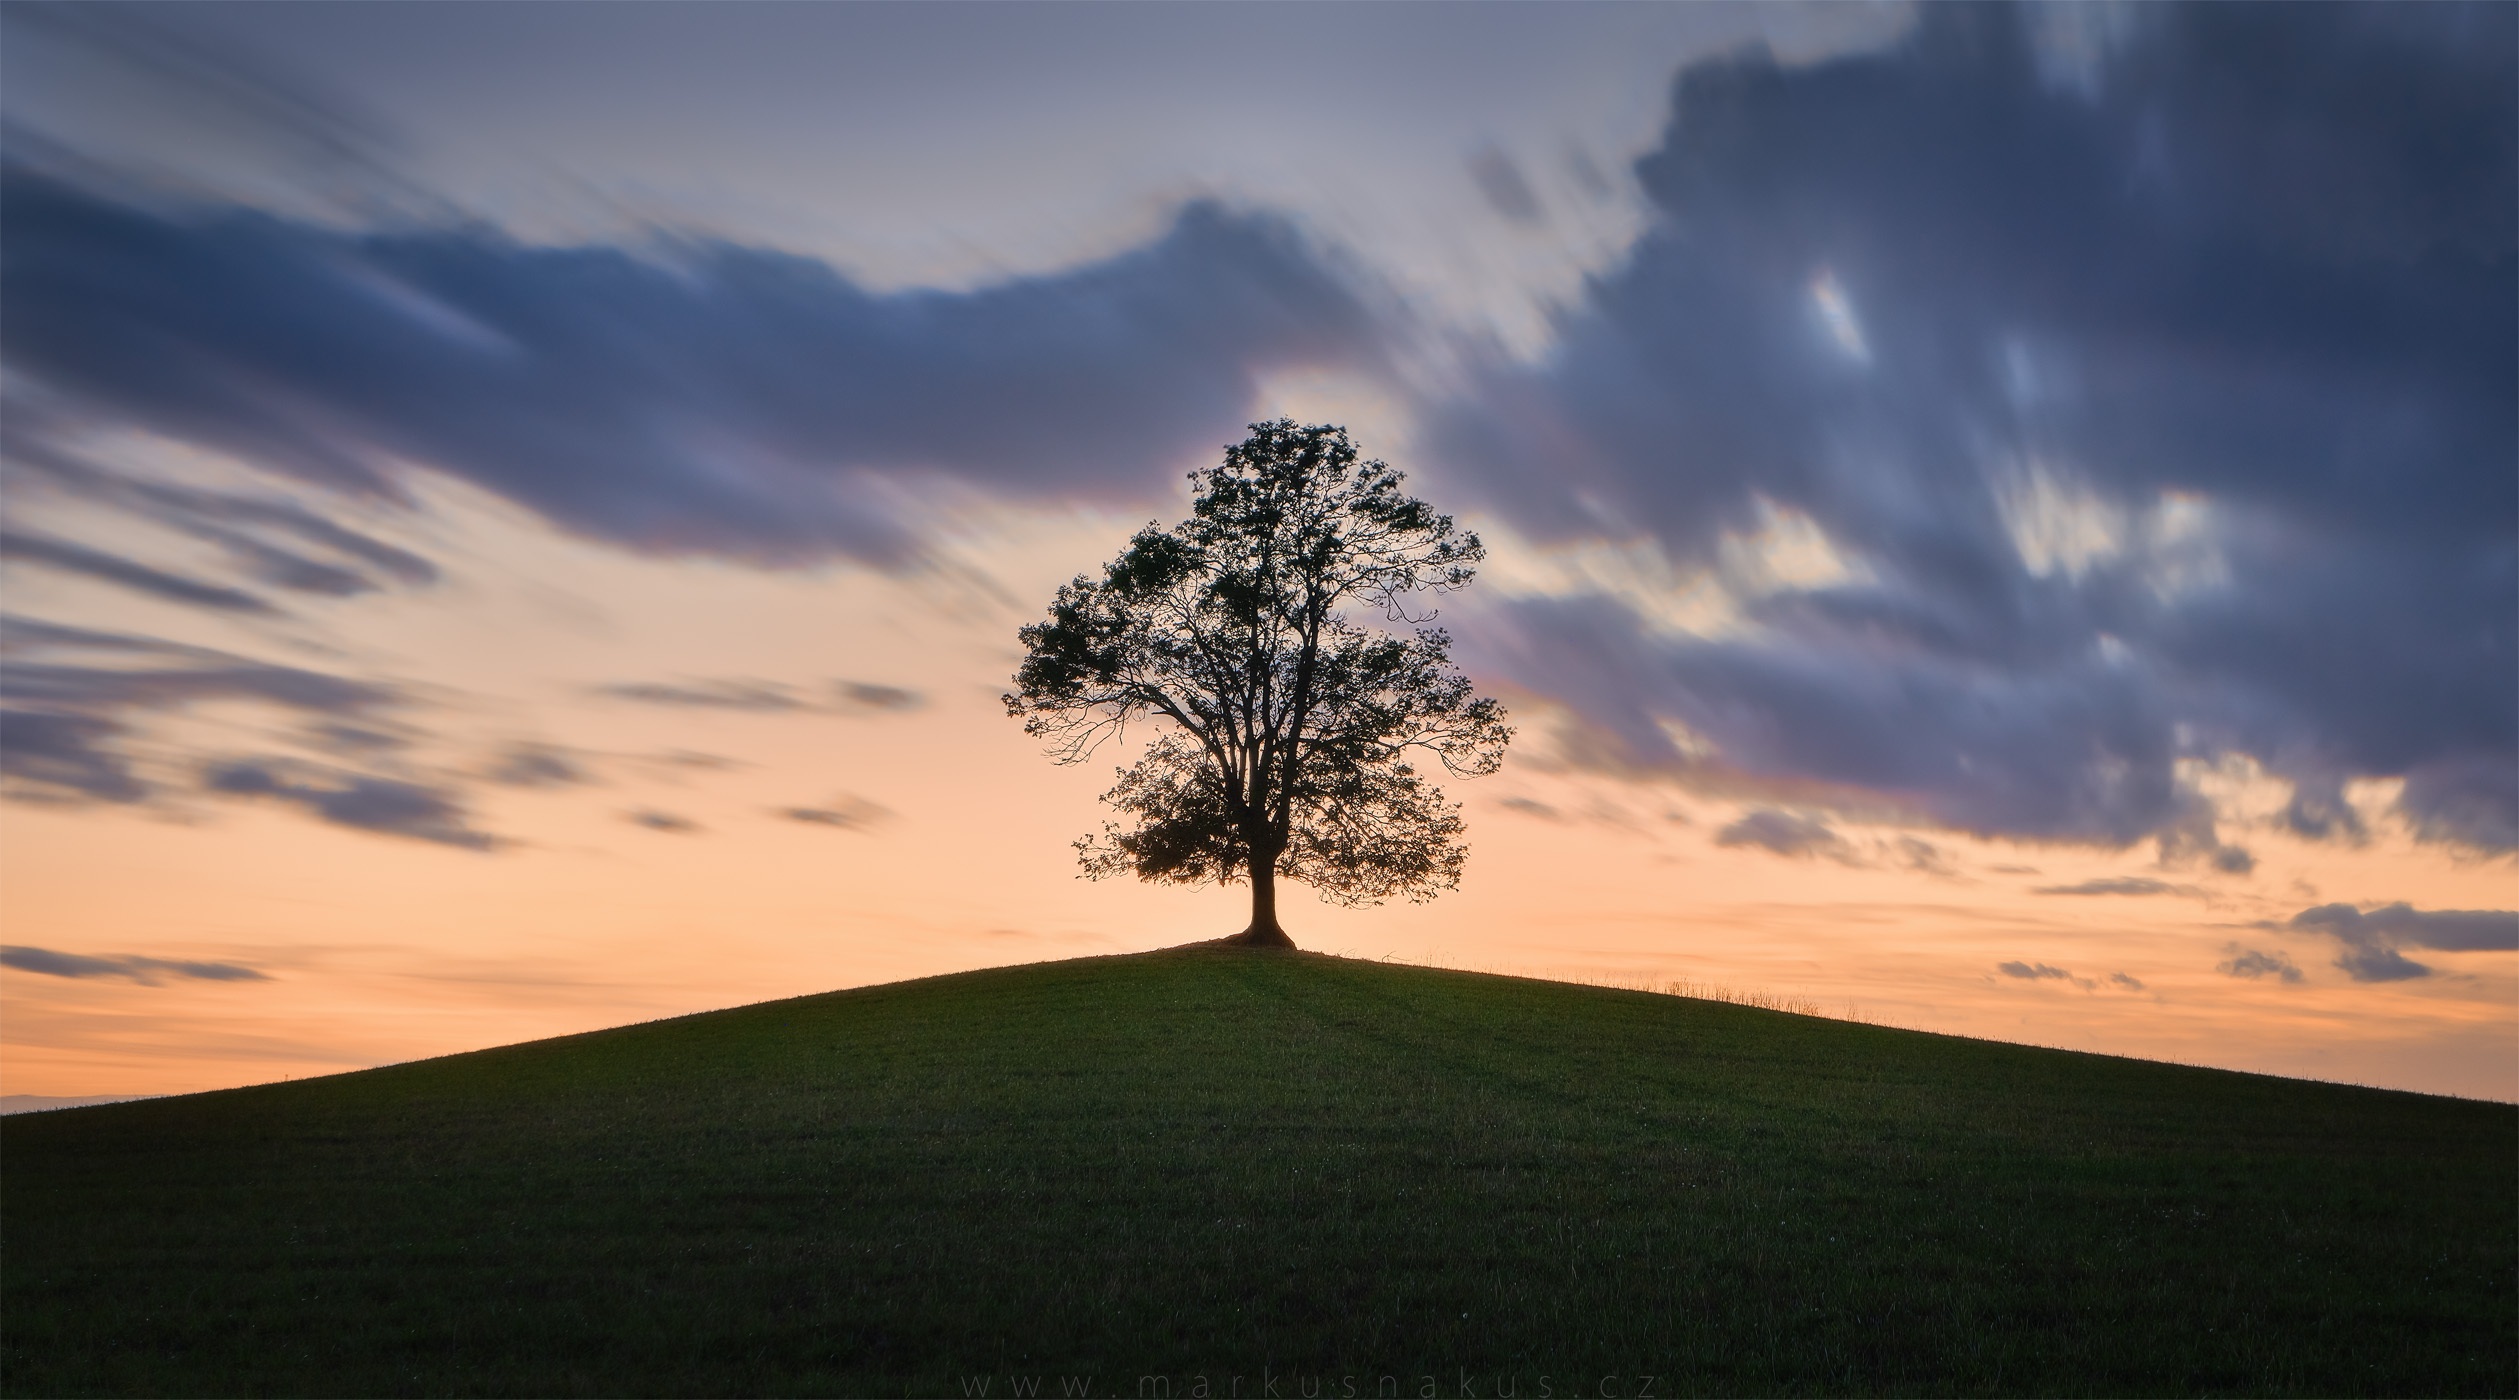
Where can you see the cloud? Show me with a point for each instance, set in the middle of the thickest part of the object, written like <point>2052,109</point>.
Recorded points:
<point>146,971</point>
<point>538,766</point>
<point>2120,885</point>
<point>1500,180</point>
<point>846,812</point>
<point>765,697</point>
<point>2252,964</point>
<point>59,756</point>
<point>264,535</point>
<point>760,697</point>
<point>341,737</point>
<point>118,688</point>
<point>655,820</point>
<point>2372,937</point>
<point>2041,972</point>
<point>360,801</point>
<point>1785,833</point>
<point>1916,853</point>
<point>72,696</point>
<point>1531,807</point>
<point>866,695</point>
<point>2146,407</point>
<point>70,558</point>
<point>689,397</point>
<point>2450,930</point>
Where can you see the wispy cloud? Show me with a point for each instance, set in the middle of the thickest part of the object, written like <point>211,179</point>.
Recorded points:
<point>538,766</point>
<point>845,812</point>
<point>75,698</point>
<point>758,697</point>
<point>715,399</point>
<point>73,558</point>
<point>765,697</point>
<point>2129,884</point>
<point>129,967</point>
<point>1785,833</point>
<point>359,801</point>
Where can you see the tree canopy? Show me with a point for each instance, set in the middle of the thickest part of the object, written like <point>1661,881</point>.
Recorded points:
<point>1291,738</point>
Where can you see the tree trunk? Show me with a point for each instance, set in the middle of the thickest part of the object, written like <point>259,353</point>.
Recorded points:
<point>1264,931</point>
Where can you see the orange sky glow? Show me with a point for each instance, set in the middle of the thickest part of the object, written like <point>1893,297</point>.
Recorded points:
<point>378,949</point>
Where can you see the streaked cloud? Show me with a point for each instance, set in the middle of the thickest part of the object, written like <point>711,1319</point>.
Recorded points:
<point>759,697</point>
<point>687,397</point>
<point>1785,833</point>
<point>360,801</point>
<point>17,546</point>
<point>538,766</point>
<point>849,813</point>
<point>2122,884</point>
<point>128,967</point>
<point>2114,506</point>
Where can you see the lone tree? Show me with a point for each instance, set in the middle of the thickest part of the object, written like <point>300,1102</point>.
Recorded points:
<point>1289,737</point>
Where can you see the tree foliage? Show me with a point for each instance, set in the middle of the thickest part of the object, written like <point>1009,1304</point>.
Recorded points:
<point>1292,738</point>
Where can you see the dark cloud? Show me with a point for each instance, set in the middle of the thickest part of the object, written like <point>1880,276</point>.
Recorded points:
<point>538,766</point>
<point>264,536</point>
<point>696,397</point>
<point>2372,937</point>
<point>866,695</point>
<point>72,558</point>
<point>762,697</point>
<point>1500,180</point>
<point>845,812</point>
<point>2158,403</point>
<point>245,525</point>
<point>2471,798</point>
<point>108,688</point>
<point>360,801</point>
<point>1785,833</point>
<point>655,820</point>
<point>2132,884</point>
<point>72,694</point>
<point>1915,853</point>
<point>2319,811</point>
<point>2252,964</point>
<point>2040,972</point>
<point>765,697</point>
<point>65,756</point>
<point>367,739</point>
<point>125,966</point>
<point>2131,984</point>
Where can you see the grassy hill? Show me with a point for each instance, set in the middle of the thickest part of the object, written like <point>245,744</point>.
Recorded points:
<point>1306,1173</point>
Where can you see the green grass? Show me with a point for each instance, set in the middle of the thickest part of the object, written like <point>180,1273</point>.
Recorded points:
<point>1218,1163</point>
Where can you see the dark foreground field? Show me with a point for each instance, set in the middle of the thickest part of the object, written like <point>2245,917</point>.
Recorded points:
<point>1268,1174</point>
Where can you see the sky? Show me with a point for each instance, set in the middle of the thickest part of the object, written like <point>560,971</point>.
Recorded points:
<point>513,519</point>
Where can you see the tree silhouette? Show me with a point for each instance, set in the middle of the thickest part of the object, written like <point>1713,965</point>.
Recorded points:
<point>1290,737</point>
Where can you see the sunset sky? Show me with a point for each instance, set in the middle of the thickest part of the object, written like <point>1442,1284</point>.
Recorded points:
<point>2000,520</point>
